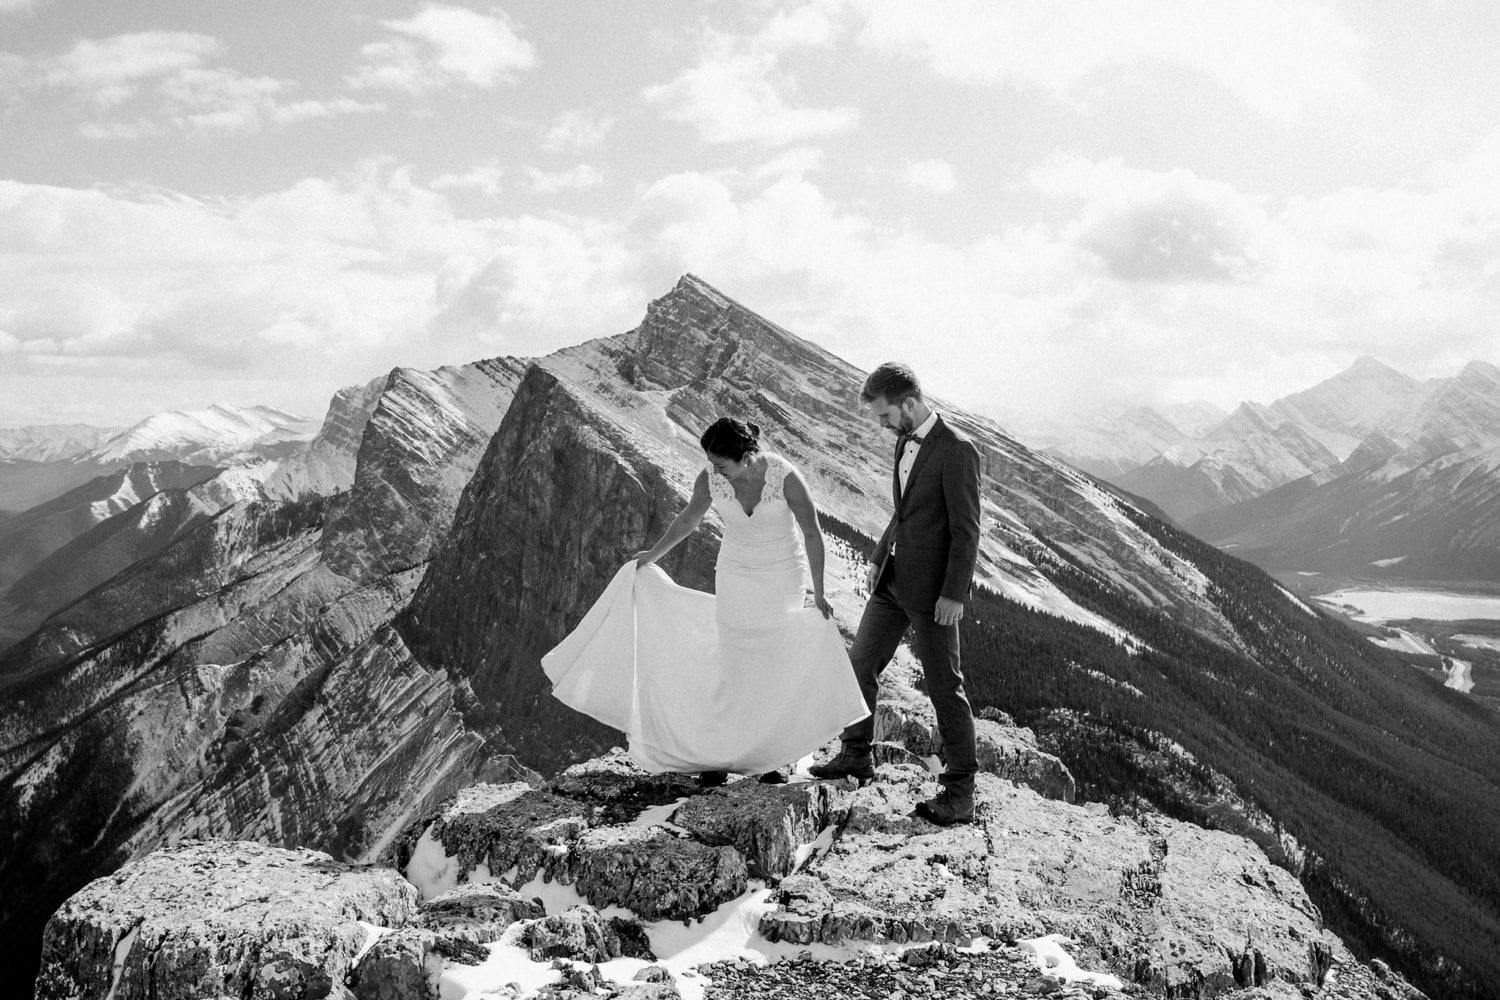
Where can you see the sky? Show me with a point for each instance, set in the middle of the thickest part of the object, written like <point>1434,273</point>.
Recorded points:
<point>1045,207</point>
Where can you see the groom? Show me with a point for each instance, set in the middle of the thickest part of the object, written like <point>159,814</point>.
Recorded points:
<point>919,581</point>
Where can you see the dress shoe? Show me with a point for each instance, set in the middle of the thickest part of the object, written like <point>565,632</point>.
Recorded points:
<point>848,764</point>
<point>947,808</point>
<point>712,779</point>
<point>773,778</point>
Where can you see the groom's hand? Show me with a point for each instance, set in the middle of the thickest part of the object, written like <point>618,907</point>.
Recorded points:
<point>872,577</point>
<point>949,611</point>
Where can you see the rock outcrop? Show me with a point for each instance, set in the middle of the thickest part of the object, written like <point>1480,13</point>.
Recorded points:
<point>965,912</point>
<point>219,919</point>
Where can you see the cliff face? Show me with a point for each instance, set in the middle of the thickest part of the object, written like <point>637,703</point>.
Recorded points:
<point>244,680</point>
<point>599,452</point>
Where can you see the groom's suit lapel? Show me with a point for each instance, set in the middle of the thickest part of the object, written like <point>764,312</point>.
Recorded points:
<point>925,449</point>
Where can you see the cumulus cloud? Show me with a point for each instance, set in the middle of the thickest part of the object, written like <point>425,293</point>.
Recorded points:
<point>153,83</point>
<point>1278,57</point>
<point>1159,226</point>
<point>484,179</point>
<point>739,91</point>
<point>578,131</point>
<point>1151,282</point>
<point>442,47</point>
<point>110,71</point>
<point>551,182</point>
<point>932,176</point>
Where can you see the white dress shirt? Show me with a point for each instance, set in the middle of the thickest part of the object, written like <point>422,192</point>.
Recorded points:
<point>909,449</point>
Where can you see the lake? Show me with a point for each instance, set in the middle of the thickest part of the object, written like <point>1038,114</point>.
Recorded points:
<point>1397,605</point>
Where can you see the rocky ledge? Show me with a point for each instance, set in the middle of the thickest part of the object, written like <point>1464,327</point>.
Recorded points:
<point>609,882</point>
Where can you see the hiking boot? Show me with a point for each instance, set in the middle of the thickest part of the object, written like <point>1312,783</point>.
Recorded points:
<point>848,764</point>
<point>773,778</point>
<point>712,779</point>
<point>947,808</point>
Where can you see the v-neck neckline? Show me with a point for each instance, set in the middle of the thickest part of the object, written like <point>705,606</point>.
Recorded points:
<point>760,497</point>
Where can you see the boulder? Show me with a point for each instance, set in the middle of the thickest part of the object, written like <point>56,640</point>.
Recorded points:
<point>578,933</point>
<point>654,874</point>
<point>619,787</point>
<point>1175,908</point>
<point>479,913</point>
<point>904,716</point>
<point>772,826</point>
<point>219,918</point>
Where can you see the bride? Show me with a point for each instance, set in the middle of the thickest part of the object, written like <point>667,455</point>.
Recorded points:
<point>743,680</point>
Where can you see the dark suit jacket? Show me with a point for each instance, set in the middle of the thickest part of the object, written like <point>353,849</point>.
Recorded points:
<point>936,524</point>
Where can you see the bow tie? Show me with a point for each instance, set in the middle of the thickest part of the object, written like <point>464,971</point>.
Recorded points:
<point>910,437</point>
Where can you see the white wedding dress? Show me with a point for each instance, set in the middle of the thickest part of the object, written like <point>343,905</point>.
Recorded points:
<point>747,680</point>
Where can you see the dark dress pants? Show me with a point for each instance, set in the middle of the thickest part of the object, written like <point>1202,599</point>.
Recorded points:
<point>881,629</point>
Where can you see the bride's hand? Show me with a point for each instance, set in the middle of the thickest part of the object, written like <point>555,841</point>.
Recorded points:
<point>643,559</point>
<point>821,603</point>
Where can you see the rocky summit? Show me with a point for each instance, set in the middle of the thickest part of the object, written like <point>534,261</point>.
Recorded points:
<point>611,882</point>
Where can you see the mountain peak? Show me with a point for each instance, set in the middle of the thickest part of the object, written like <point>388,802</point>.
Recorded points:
<point>1476,370</point>
<point>1366,364</point>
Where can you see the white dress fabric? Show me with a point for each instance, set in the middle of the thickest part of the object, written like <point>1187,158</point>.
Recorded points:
<point>747,680</point>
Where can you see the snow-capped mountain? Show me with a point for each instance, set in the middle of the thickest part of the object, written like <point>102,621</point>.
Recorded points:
<point>1116,440</point>
<point>1248,453</point>
<point>51,442</point>
<point>218,435</point>
<point>1314,456</point>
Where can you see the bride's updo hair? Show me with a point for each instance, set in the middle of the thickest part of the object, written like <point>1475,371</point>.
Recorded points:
<point>730,438</point>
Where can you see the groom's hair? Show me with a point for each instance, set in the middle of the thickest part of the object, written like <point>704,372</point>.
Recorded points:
<point>893,382</point>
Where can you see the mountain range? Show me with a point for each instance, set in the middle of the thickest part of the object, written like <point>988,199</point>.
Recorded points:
<point>320,659</point>
<point>1370,472</point>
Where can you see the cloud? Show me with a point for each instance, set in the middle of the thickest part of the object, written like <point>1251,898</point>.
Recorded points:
<point>17,6</point>
<point>578,131</point>
<point>484,179</point>
<point>154,83</point>
<point>110,71</point>
<point>551,182</point>
<point>1277,57</point>
<point>739,92</point>
<point>442,47</point>
<point>1159,225</point>
<point>932,176</point>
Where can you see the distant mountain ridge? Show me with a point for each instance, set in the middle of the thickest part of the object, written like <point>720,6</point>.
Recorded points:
<point>1370,471</point>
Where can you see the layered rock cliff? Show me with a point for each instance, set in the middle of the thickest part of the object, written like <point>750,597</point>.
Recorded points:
<point>244,680</point>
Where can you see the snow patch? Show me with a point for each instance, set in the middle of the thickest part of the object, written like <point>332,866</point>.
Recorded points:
<point>1052,958</point>
<point>374,934</point>
<point>1296,600</point>
<point>122,952</point>
<point>1479,641</point>
<point>1405,642</point>
<point>1460,675</point>
<point>659,815</point>
<point>816,849</point>
<point>1383,563</point>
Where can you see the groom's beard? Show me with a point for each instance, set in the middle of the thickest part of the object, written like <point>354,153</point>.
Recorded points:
<point>906,425</point>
